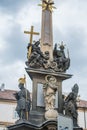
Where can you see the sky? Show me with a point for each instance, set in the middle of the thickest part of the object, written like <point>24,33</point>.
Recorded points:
<point>69,26</point>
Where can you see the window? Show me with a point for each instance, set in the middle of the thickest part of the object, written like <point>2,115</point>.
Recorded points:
<point>15,115</point>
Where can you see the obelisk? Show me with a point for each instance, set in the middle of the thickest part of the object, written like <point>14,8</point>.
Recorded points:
<point>46,29</point>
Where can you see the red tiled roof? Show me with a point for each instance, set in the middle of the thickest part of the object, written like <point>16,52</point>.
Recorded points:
<point>82,104</point>
<point>7,95</point>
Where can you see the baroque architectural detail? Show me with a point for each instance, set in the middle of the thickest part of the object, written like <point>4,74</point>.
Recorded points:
<point>49,90</point>
<point>63,62</point>
<point>37,59</point>
<point>40,60</point>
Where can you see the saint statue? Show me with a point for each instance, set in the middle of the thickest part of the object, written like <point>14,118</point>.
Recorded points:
<point>37,59</point>
<point>70,104</point>
<point>50,92</point>
<point>23,100</point>
<point>63,62</point>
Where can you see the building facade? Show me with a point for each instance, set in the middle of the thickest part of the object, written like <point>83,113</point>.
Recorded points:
<point>8,115</point>
<point>82,114</point>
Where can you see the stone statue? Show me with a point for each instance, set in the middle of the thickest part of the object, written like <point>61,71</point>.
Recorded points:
<point>37,58</point>
<point>49,90</point>
<point>63,63</point>
<point>23,100</point>
<point>70,104</point>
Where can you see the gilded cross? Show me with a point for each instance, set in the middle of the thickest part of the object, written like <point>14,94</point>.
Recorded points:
<point>31,38</point>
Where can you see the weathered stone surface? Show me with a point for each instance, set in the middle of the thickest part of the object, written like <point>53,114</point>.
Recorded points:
<point>77,128</point>
<point>46,33</point>
<point>64,122</point>
<point>24,125</point>
<point>51,114</point>
<point>40,95</point>
<point>38,76</point>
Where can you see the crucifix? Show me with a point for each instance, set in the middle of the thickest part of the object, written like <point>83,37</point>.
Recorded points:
<point>31,38</point>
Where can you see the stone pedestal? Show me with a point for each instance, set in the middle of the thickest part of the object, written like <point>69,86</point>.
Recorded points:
<point>47,125</point>
<point>51,114</point>
<point>36,117</point>
<point>24,125</point>
<point>37,114</point>
<point>77,128</point>
<point>38,79</point>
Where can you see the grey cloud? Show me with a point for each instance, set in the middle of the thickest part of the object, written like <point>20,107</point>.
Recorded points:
<point>12,6</point>
<point>74,38</point>
<point>16,46</point>
<point>17,41</point>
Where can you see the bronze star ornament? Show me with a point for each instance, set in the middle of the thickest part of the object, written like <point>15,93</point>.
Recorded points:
<point>47,5</point>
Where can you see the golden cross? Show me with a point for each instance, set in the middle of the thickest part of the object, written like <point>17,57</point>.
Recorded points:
<point>31,38</point>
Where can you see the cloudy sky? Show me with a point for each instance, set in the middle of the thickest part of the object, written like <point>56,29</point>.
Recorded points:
<point>69,25</point>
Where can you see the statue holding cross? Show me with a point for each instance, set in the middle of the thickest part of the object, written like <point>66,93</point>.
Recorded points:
<point>35,56</point>
<point>31,38</point>
<point>37,59</point>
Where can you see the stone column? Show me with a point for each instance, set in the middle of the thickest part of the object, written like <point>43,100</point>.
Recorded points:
<point>47,33</point>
